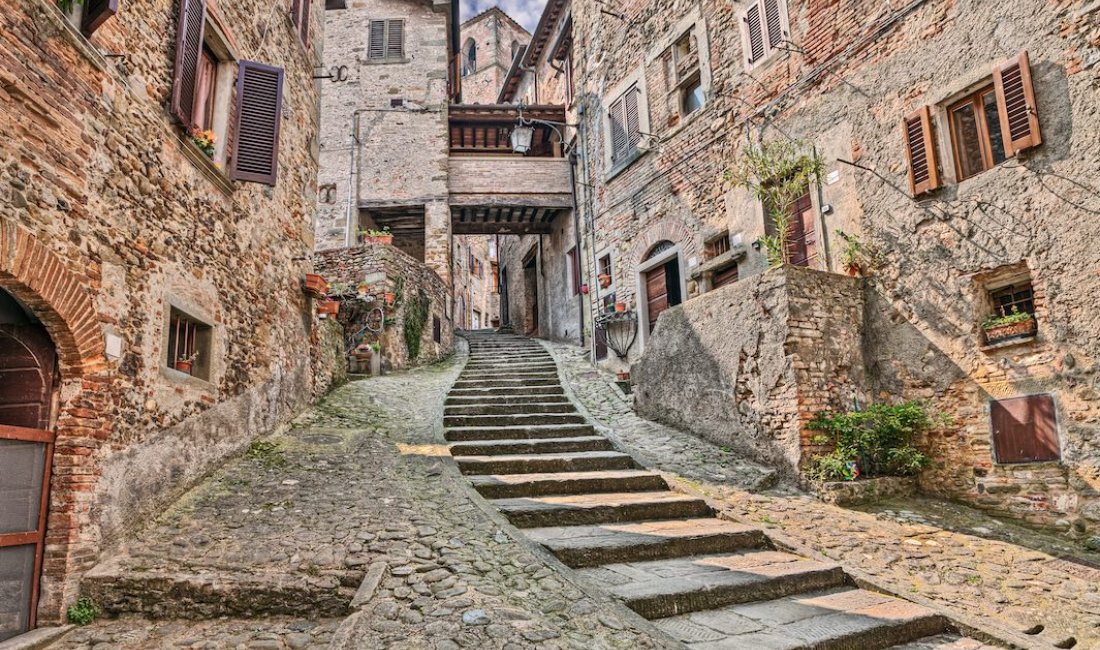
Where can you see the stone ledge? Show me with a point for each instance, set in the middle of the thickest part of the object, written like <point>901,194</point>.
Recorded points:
<point>845,493</point>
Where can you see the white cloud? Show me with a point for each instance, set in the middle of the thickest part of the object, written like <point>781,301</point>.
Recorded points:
<point>524,12</point>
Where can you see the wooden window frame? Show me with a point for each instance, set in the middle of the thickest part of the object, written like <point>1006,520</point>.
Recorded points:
<point>973,100</point>
<point>187,335</point>
<point>617,116</point>
<point>299,14</point>
<point>388,25</point>
<point>769,41</point>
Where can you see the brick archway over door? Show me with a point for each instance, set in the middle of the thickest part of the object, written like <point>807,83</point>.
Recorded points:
<point>62,300</point>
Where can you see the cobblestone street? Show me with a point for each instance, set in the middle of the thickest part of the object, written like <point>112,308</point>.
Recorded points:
<point>991,570</point>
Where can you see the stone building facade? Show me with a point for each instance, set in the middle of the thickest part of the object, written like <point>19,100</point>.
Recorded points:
<point>152,319</point>
<point>907,108</point>
<point>491,41</point>
<point>477,302</point>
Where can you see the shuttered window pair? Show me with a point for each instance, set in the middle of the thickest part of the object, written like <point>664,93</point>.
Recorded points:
<point>764,27</point>
<point>980,141</point>
<point>625,122</point>
<point>299,13</point>
<point>257,108</point>
<point>387,40</point>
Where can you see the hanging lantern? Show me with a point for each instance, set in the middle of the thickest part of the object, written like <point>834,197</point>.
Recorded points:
<point>521,138</point>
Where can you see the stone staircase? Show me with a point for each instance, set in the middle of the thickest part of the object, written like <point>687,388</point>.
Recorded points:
<point>708,582</point>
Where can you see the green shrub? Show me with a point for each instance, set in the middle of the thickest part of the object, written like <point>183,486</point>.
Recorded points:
<point>83,611</point>
<point>879,440</point>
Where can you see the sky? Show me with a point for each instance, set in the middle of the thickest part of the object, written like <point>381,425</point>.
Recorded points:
<point>524,12</point>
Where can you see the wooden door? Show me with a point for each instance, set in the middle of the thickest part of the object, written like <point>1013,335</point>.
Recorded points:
<point>28,364</point>
<point>1025,429</point>
<point>656,291</point>
<point>802,237</point>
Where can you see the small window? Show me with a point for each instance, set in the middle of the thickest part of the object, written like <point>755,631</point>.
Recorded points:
<point>764,28</point>
<point>515,49</point>
<point>1013,299</point>
<point>574,271</point>
<point>88,15</point>
<point>299,14</point>
<point>495,277</point>
<point>683,77</point>
<point>976,133</point>
<point>691,96</point>
<point>469,58</point>
<point>189,345</point>
<point>387,40</point>
<point>718,245</point>
<point>624,122</point>
<point>1025,429</point>
<point>437,329</point>
<point>605,265</point>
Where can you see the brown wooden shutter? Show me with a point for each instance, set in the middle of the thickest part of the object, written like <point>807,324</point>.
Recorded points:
<point>753,32</point>
<point>303,20</point>
<point>1016,104</point>
<point>259,117</point>
<point>395,39</point>
<point>376,49</point>
<point>1025,429</point>
<point>188,50</point>
<point>96,12</point>
<point>920,149</point>
<point>774,21</point>
<point>633,119</point>
<point>618,130</point>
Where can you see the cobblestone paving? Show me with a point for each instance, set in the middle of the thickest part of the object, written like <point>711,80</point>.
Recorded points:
<point>357,489</point>
<point>959,558</point>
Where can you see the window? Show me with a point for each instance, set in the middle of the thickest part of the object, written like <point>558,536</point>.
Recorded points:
<point>495,277</point>
<point>189,344</point>
<point>437,329</point>
<point>1025,429</point>
<point>605,264</point>
<point>987,127</point>
<point>469,58</point>
<point>335,4</point>
<point>718,245</point>
<point>691,96</point>
<point>387,41</point>
<point>764,27</point>
<point>625,126</point>
<point>89,15</point>
<point>299,14</point>
<point>574,271</point>
<point>682,75</point>
<point>1015,298</point>
<point>209,87</point>
<point>801,231</point>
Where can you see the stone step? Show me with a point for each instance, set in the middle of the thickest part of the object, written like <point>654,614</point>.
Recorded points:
<point>590,509</point>
<point>513,360</point>
<point>507,383</point>
<point>511,420</point>
<point>580,461</point>
<point>514,391</point>
<point>946,642</point>
<point>844,619</point>
<point>509,409</point>
<point>492,400</point>
<point>472,434</point>
<point>587,546</point>
<point>480,376</point>
<point>510,486</point>
<point>671,587</point>
<point>531,446</point>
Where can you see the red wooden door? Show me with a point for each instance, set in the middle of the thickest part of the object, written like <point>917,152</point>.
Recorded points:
<point>28,365</point>
<point>802,238</point>
<point>656,291</point>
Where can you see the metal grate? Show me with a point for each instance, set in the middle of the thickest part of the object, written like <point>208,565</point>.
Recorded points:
<point>16,589</point>
<point>22,465</point>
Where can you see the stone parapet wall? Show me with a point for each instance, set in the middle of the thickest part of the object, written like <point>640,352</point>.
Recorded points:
<point>385,268</point>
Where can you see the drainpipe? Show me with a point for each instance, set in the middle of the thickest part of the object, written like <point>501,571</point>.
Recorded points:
<point>353,181</point>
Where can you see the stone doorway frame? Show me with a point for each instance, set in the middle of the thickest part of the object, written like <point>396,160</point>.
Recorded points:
<point>640,271</point>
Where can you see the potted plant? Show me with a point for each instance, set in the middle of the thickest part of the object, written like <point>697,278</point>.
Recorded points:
<point>363,289</point>
<point>186,364</point>
<point>620,307</point>
<point>315,285</point>
<point>383,236</point>
<point>363,352</point>
<point>605,280</point>
<point>1018,324</point>
<point>851,259</point>
<point>204,140</point>
<point>328,307</point>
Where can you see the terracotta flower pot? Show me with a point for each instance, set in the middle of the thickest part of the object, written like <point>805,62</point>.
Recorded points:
<point>328,308</point>
<point>315,285</point>
<point>184,366</point>
<point>620,306</point>
<point>390,297</point>
<point>1010,331</point>
<point>383,239</point>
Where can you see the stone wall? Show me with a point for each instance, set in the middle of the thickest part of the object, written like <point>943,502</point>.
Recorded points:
<point>747,365</point>
<point>384,269</point>
<point>493,32</point>
<point>474,284</point>
<point>108,216</point>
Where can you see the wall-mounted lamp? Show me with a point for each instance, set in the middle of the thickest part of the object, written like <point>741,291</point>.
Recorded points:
<point>521,138</point>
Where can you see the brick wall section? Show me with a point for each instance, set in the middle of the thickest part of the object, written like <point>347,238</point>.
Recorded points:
<point>106,214</point>
<point>746,366</point>
<point>385,268</point>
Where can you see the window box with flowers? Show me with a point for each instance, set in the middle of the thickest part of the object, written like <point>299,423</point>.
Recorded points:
<point>1013,326</point>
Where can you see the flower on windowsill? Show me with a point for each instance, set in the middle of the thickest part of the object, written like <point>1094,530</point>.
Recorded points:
<point>204,140</point>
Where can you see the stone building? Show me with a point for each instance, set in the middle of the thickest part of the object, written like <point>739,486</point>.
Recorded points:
<point>955,140</point>
<point>477,302</point>
<point>491,41</point>
<point>152,319</point>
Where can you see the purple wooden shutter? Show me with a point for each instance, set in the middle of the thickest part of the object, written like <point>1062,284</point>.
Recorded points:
<point>259,116</point>
<point>188,51</point>
<point>96,12</point>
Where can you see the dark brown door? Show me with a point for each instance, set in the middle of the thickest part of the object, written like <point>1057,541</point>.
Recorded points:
<point>1025,429</point>
<point>28,364</point>
<point>656,291</point>
<point>802,239</point>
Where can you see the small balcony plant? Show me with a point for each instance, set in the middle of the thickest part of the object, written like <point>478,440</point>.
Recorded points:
<point>205,140</point>
<point>383,236</point>
<point>186,363</point>
<point>1014,325</point>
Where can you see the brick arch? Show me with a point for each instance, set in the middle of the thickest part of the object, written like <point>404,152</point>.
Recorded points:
<point>668,228</point>
<point>57,296</point>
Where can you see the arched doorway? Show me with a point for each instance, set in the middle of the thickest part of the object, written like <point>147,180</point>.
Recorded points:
<point>661,281</point>
<point>28,382</point>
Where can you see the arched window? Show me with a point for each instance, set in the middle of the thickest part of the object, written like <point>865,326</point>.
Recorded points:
<point>657,249</point>
<point>469,58</point>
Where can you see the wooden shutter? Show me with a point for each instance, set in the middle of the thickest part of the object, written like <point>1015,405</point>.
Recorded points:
<point>1025,429</point>
<point>633,118</point>
<point>96,12</point>
<point>920,149</point>
<point>752,30</point>
<point>188,50</point>
<point>395,39</point>
<point>303,20</point>
<point>618,130</point>
<point>259,117</point>
<point>1016,104</point>
<point>773,19</point>
<point>377,46</point>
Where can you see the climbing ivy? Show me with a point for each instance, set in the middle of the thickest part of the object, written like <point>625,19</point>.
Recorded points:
<point>416,316</point>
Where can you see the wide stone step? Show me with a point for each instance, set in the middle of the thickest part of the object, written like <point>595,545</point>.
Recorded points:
<point>590,509</point>
<point>500,392</point>
<point>531,446</point>
<point>495,400</point>
<point>509,486</point>
<point>586,546</point>
<point>509,409</point>
<point>946,642</point>
<point>581,461</point>
<point>511,420</point>
<point>480,376</point>
<point>681,585</point>
<point>530,382</point>
<point>523,432</point>
<point>510,362</point>
<point>848,619</point>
